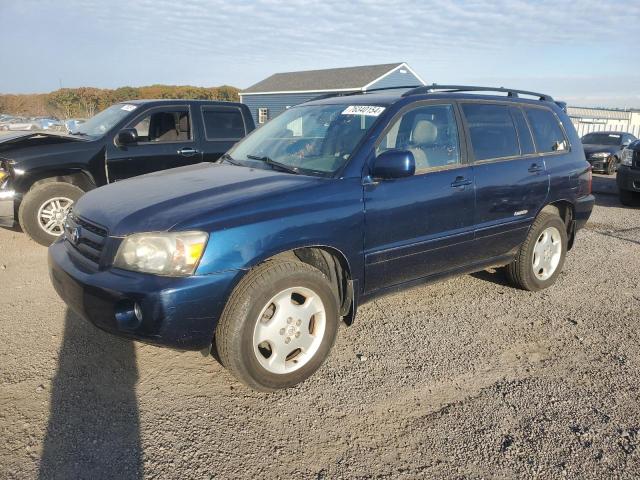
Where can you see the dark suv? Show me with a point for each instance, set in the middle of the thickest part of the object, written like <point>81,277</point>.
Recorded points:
<point>628,178</point>
<point>43,174</point>
<point>327,206</point>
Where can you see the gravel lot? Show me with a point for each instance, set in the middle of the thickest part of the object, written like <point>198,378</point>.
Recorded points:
<point>467,378</point>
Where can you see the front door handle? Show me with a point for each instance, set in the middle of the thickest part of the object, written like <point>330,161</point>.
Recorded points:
<point>535,168</point>
<point>460,182</point>
<point>187,152</point>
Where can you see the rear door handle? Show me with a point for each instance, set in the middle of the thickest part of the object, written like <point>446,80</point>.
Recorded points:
<point>187,152</point>
<point>535,168</point>
<point>460,181</point>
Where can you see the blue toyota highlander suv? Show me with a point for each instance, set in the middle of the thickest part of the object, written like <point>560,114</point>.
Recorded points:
<point>334,202</point>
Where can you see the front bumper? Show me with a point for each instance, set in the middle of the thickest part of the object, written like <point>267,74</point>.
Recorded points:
<point>600,164</point>
<point>7,208</point>
<point>628,178</point>
<point>179,313</point>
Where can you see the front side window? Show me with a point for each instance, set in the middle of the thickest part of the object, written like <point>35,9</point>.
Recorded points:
<point>311,138</point>
<point>223,123</point>
<point>163,126</point>
<point>493,133</point>
<point>547,133</point>
<point>430,133</point>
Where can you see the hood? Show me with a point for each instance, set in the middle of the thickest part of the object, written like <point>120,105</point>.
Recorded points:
<point>182,196</point>
<point>25,140</point>
<point>590,148</point>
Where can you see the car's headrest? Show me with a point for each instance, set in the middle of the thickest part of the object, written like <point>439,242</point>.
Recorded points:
<point>424,131</point>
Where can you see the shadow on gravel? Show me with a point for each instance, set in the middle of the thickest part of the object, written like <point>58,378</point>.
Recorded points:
<point>94,426</point>
<point>494,275</point>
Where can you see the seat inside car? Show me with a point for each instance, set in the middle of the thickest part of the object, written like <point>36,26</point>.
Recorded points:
<point>169,127</point>
<point>423,136</point>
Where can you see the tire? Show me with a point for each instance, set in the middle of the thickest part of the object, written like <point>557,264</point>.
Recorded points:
<point>611,166</point>
<point>35,206</point>
<point>521,271</point>
<point>626,197</point>
<point>250,315</point>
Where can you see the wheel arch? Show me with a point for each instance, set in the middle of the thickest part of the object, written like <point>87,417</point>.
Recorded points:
<point>566,211</point>
<point>75,176</point>
<point>334,264</point>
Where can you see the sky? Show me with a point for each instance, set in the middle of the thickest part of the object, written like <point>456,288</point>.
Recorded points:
<point>580,51</point>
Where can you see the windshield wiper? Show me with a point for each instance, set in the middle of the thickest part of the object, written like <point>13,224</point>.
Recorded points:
<point>82,134</point>
<point>273,163</point>
<point>228,158</point>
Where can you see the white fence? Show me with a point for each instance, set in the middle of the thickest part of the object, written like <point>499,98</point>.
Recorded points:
<point>584,128</point>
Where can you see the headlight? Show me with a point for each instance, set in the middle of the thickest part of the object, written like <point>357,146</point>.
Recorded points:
<point>173,254</point>
<point>627,155</point>
<point>3,175</point>
<point>600,155</point>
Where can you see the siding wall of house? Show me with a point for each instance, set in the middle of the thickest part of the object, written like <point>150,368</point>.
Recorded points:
<point>397,79</point>
<point>276,102</point>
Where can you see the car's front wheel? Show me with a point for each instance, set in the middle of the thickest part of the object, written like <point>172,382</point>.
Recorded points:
<point>278,325</point>
<point>540,258</point>
<point>44,208</point>
<point>611,166</point>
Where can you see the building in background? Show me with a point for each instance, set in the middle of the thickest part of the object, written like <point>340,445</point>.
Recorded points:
<point>273,95</point>
<point>588,120</point>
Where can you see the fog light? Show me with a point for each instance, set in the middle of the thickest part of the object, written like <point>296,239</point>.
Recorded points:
<point>137,310</point>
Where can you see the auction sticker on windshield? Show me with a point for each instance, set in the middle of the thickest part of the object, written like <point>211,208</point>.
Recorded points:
<point>367,110</point>
<point>129,108</point>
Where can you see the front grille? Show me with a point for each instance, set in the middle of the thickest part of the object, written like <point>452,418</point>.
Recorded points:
<point>85,237</point>
<point>636,159</point>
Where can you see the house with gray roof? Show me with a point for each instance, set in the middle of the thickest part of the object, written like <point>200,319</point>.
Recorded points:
<point>274,94</point>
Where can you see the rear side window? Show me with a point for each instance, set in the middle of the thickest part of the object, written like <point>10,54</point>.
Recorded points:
<point>223,123</point>
<point>493,134</point>
<point>524,134</point>
<point>546,130</point>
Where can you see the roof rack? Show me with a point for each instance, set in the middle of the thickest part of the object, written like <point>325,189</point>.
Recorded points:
<point>359,92</point>
<point>511,92</point>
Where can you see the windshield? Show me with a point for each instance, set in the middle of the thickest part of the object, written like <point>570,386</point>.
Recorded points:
<point>314,139</point>
<point>104,121</point>
<point>602,139</point>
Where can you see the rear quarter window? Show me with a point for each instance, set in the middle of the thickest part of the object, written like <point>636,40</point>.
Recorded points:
<point>223,123</point>
<point>492,132</point>
<point>547,133</point>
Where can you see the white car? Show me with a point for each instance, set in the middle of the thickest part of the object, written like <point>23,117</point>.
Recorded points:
<point>19,124</point>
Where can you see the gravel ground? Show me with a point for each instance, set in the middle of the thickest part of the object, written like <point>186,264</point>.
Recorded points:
<point>468,378</point>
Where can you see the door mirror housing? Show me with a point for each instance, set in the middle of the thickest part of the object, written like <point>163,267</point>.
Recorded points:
<point>127,136</point>
<point>394,164</point>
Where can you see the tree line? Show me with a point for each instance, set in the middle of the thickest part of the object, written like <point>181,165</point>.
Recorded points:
<point>85,102</point>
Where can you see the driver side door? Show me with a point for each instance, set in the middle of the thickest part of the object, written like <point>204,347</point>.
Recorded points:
<point>420,225</point>
<point>165,140</point>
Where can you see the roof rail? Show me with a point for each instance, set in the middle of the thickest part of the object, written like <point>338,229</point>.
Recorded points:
<point>511,92</point>
<point>359,92</point>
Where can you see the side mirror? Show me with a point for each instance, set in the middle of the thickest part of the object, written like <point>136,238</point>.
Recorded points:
<point>626,143</point>
<point>394,164</point>
<point>127,136</point>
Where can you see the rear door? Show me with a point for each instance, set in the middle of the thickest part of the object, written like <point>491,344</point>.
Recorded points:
<point>165,140</point>
<point>420,225</point>
<point>223,127</point>
<point>511,179</point>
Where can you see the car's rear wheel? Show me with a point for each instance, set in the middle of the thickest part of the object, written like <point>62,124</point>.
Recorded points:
<point>626,197</point>
<point>44,208</point>
<point>278,325</point>
<point>540,258</point>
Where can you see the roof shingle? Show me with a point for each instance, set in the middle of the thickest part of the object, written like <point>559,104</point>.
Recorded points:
<point>328,79</point>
